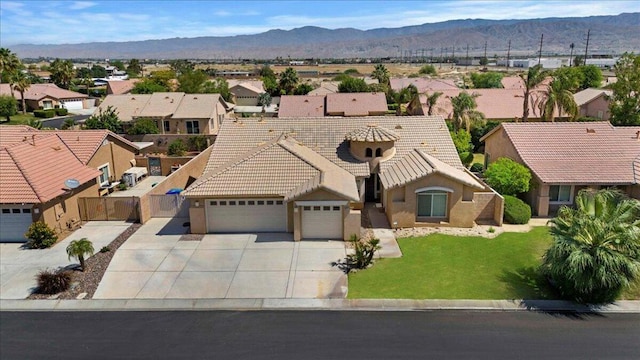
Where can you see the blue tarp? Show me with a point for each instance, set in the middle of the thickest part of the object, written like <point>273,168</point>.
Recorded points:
<point>174,191</point>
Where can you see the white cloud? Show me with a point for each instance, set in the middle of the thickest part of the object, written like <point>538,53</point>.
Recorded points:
<point>79,5</point>
<point>222,13</point>
<point>14,7</point>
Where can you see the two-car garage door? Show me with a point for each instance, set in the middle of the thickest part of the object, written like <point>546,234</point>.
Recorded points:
<point>246,215</point>
<point>14,222</point>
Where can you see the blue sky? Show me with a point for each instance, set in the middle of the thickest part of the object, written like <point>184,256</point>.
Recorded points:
<point>59,22</point>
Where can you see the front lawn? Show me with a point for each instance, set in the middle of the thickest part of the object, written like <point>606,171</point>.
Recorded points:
<point>18,119</point>
<point>455,267</point>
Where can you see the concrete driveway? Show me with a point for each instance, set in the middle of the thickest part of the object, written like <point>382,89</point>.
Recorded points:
<point>19,266</point>
<point>157,262</point>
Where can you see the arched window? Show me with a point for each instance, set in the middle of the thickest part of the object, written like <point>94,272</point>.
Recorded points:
<point>378,152</point>
<point>369,152</point>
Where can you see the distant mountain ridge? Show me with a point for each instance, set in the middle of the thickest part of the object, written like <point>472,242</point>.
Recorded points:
<point>609,35</point>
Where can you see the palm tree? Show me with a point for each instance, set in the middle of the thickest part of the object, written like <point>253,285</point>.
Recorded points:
<point>381,73</point>
<point>464,111</point>
<point>289,80</point>
<point>78,249</point>
<point>9,63</point>
<point>556,98</point>
<point>596,248</point>
<point>535,76</point>
<point>62,72</point>
<point>21,83</point>
<point>431,101</point>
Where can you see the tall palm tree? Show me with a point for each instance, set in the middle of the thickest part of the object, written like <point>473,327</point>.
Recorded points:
<point>464,111</point>
<point>9,63</point>
<point>381,73</point>
<point>289,80</point>
<point>535,76</point>
<point>556,99</point>
<point>21,83</point>
<point>62,72</point>
<point>596,248</point>
<point>431,101</point>
<point>78,249</point>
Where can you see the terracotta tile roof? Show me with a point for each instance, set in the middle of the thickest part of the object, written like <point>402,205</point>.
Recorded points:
<point>128,106</point>
<point>588,95</point>
<point>34,171</point>
<point>254,84</point>
<point>197,106</point>
<point>301,106</point>
<point>512,82</point>
<point>356,104</point>
<point>115,87</point>
<point>85,143</point>
<point>41,91</point>
<point>577,152</point>
<point>13,134</point>
<point>418,164</point>
<point>423,84</point>
<point>372,133</point>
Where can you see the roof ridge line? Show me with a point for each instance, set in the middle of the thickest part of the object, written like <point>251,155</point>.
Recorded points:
<point>71,151</point>
<point>24,175</point>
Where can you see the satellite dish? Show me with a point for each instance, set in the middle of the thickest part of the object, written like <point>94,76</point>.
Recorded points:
<point>71,183</point>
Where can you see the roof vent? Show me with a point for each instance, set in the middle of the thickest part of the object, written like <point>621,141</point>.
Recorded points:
<point>591,131</point>
<point>354,99</point>
<point>166,97</point>
<point>306,100</point>
<point>398,127</point>
<point>195,98</point>
<point>133,98</point>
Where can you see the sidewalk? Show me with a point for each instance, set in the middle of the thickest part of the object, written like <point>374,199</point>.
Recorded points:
<point>313,304</point>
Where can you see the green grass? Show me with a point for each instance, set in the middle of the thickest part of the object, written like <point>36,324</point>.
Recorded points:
<point>455,267</point>
<point>478,158</point>
<point>18,119</point>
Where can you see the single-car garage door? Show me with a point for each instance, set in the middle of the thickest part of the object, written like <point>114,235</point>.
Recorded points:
<point>246,215</point>
<point>14,222</point>
<point>322,222</point>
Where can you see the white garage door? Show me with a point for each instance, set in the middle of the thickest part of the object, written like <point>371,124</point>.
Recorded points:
<point>246,215</point>
<point>322,222</point>
<point>14,222</point>
<point>73,105</point>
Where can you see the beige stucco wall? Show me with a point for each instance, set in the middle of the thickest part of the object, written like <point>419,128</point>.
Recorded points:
<point>179,126</point>
<point>359,149</point>
<point>198,219</point>
<point>57,212</point>
<point>116,155</point>
<point>244,97</point>
<point>352,222</point>
<point>498,145</point>
<point>592,108</point>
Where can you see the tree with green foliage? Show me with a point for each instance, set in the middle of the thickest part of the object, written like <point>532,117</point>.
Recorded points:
<point>62,72</point>
<point>9,64</point>
<point>144,126</point>
<point>21,83</point>
<point>267,71</point>
<point>596,250</point>
<point>192,81</point>
<point>578,60</point>
<point>118,64</point>
<point>428,70</point>
<point>351,72</point>
<point>181,66</point>
<point>177,148</point>
<point>107,119</point>
<point>217,86</point>
<point>303,89</point>
<point>464,111</point>
<point>625,101</point>
<point>571,78</point>
<point>83,72</point>
<point>40,236</point>
<point>79,249</point>
<point>557,100</point>
<point>148,86</point>
<point>68,123</point>
<point>34,123</point>
<point>381,73</point>
<point>97,71</point>
<point>591,76</point>
<point>164,78</point>
<point>535,76</point>
<point>488,80</point>
<point>264,99</point>
<point>401,97</point>
<point>353,85</point>
<point>432,100</point>
<point>134,68</point>
<point>8,107</point>
<point>462,141</point>
<point>288,80</point>
<point>484,61</point>
<point>508,177</point>
<point>271,86</point>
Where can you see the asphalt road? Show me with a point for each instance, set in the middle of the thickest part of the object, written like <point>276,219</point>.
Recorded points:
<point>317,335</point>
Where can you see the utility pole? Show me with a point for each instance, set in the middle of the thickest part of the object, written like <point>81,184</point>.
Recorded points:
<point>467,63</point>
<point>540,52</point>
<point>571,56</point>
<point>508,54</point>
<point>586,49</point>
<point>441,58</point>
<point>485,50</point>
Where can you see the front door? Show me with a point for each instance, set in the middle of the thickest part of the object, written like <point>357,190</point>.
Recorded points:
<point>372,188</point>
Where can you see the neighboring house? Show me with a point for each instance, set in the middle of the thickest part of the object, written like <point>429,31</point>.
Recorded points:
<point>338,104</point>
<point>311,177</point>
<point>565,157</point>
<point>48,96</point>
<point>423,84</point>
<point>594,103</point>
<point>326,87</point>
<point>119,87</point>
<point>246,94</point>
<point>174,112</point>
<point>512,82</point>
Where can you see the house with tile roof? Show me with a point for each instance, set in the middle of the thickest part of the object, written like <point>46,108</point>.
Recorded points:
<point>119,87</point>
<point>34,165</point>
<point>338,104</point>
<point>565,157</point>
<point>246,93</point>
<point>423,84</point>
<point>593,103</point>
<point>312,176</point>
<point>48,96</point>
<point>174,112</point>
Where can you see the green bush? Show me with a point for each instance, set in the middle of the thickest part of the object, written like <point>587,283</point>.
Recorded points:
<point>38,113</point>
<point>177,148</point>
<point>105,249</point>
<point>393,107</point>
<point>197,143</point>
<point>516,211</point>
<point>49,113</point>
<point>508,177</point>
<point>40,236</point>
<point>143,126</point>
<point>477,167</point>
<point>53,282</point>
<point>428,70</point>
<point>363,252</point>
<point>61,112</point>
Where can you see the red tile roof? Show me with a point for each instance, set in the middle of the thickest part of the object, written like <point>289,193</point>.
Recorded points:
<point>40,91</point>
<point>577,152</point>
<point>85,143</point>
<point>301,106</point>
<point>423,84</point>
<point>118,87</point>
<point>356,104</point>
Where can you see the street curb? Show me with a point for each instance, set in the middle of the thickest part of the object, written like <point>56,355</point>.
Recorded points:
<point>625,306</point>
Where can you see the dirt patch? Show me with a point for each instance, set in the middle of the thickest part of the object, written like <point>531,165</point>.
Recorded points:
<point>88,281</point>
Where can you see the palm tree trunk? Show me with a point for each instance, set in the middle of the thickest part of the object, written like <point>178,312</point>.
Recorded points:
<point>81,258</point>
<point>525,107</point>
<point>24,106</point>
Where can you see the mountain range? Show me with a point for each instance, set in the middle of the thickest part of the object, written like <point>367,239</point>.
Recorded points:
<point>608,35</point>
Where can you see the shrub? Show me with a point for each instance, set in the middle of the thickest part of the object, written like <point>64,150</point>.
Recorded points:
<point>61,112</point>
<point>516,211</point>
<point>143,126</point>
<point>105,249</point>
<point>363,252</point>
<point>49,113</point>
<point>428,70</point>
<point>197,143</point>
<point>40,236</point>
<point>508,177</point>
<point>477,167</point>
<point>462,141</point>
<point>53,282</point>
<point>177,148</point>
<point>491,230</point>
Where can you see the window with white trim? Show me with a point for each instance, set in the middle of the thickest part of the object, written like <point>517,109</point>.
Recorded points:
<point>104,177</point>
<point>432,203</point>
<point>560,193</point>
<point>193,127</point>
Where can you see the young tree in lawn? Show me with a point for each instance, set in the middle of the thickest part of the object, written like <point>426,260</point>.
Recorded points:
<point>79,249</point>
<point>625,101</point>
<point>8,107</point>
